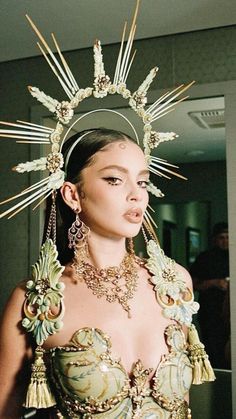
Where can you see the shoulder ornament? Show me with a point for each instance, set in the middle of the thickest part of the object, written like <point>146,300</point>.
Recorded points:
<point>172,293</point>
<point>43,306</point>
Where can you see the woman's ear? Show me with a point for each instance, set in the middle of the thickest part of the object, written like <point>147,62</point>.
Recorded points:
<point>70,195</point>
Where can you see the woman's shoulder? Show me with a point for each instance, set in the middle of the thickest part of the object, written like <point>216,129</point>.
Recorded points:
<point>11,316</point>
<point>11,329</point>
<point>184,274</point>
<point>16,298</point>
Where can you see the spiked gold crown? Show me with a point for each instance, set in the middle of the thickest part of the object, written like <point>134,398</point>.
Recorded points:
<point>26,132</point>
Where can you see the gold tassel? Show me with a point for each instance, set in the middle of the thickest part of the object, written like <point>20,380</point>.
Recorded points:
<point>202,369</point>
<point>39,394</point>
<point>189,414</point>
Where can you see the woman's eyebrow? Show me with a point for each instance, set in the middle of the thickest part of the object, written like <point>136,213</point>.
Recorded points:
<point>123,169</point>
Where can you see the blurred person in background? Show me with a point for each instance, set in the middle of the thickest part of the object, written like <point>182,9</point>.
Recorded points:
<point>210,273</point>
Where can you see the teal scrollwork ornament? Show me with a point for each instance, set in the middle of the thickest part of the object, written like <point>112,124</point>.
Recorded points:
<point>172,293</point>
<point>43,306</point>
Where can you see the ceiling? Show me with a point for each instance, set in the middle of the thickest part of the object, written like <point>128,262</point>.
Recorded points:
<point>77,22</point>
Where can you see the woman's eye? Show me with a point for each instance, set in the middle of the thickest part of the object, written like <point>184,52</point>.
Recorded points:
<point>113,180</point>
<point>143,183</point>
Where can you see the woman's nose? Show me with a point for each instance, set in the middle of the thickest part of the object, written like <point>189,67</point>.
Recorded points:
<point>134,194</point>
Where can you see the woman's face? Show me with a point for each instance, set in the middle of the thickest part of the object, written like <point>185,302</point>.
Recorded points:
<point>114,195</point>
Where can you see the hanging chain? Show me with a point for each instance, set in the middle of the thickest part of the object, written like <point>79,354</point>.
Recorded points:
<point>52,227</point>
<point>151,233</point>
<point>144,234</point>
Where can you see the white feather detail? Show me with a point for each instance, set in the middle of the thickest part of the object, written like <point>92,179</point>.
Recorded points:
<point>139,99</point>
<point>56,180</point>
<point>101,80</point>
<point>46,100</point>
<point>166,136</point>
<point>154,190</point>
<point>143,88</point>
<point>29,166</point>
<point>98,60</point>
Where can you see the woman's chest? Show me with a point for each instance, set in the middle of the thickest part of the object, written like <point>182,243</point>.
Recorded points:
<point>140,337</point>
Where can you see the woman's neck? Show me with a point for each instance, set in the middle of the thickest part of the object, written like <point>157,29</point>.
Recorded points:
<point>105,252</point>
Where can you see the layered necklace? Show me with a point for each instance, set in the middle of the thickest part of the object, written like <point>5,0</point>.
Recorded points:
<point>115,283</point>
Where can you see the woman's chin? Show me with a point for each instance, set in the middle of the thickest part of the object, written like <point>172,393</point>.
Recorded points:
<point>133,232</point>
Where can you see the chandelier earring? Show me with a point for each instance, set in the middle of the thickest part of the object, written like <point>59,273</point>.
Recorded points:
<point>77,233</point>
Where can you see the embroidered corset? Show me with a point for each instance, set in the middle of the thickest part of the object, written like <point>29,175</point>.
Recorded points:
<point>90,383</point>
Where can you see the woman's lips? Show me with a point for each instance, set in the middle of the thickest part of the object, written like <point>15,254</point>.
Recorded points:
<point>134,215</point>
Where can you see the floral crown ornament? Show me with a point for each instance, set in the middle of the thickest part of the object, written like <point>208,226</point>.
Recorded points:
<point>26,132</point>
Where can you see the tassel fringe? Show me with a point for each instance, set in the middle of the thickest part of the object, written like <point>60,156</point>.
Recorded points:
<point>39,394</point>
<point>202,369</point>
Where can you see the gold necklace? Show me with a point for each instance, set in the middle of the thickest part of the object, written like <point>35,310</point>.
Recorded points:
<point>115,283</point>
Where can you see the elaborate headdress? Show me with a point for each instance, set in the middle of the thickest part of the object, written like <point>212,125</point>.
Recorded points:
<point>26,132</point>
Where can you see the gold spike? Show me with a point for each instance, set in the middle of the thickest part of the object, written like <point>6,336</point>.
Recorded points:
<point>41,200</point>
<point>164,96</point>
<point>23,132</point>
<point>150,229</point>
<point>135,13</point>
<point>163,114</point>
<point>48,49</point>
<point>24,125</point>
<point>29,202</point>
<point>33,142</point>
<point>117,70</point>
<point>125,59</point>
<point>40,140</point>
<point>180,89</point>
<point>35,29</point>
<point>36,125</point>
<point>25,191</point>
<point>161,161</point>
<point>149,206</point>
<point>164,107</point>
<point>130,64</point>
<point>157,172</point>
<point>127,54</point>
<point>37,185</point>
<point>66,66</point>
<point>168,170</point>
<point>149,217</point>
<point>69,94</point>
<point>159,113</point>
<point>25,201</point>
<point>158,158</point>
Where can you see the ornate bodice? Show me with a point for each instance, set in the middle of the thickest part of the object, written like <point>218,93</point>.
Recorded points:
<point>89,382</point>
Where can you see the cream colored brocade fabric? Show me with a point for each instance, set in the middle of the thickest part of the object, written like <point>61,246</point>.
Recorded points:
<point>90,383</point>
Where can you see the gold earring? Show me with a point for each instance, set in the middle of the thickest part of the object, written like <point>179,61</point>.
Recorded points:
<point>77,233</point>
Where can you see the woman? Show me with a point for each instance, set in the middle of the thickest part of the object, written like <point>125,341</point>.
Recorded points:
<point>117,355</point>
